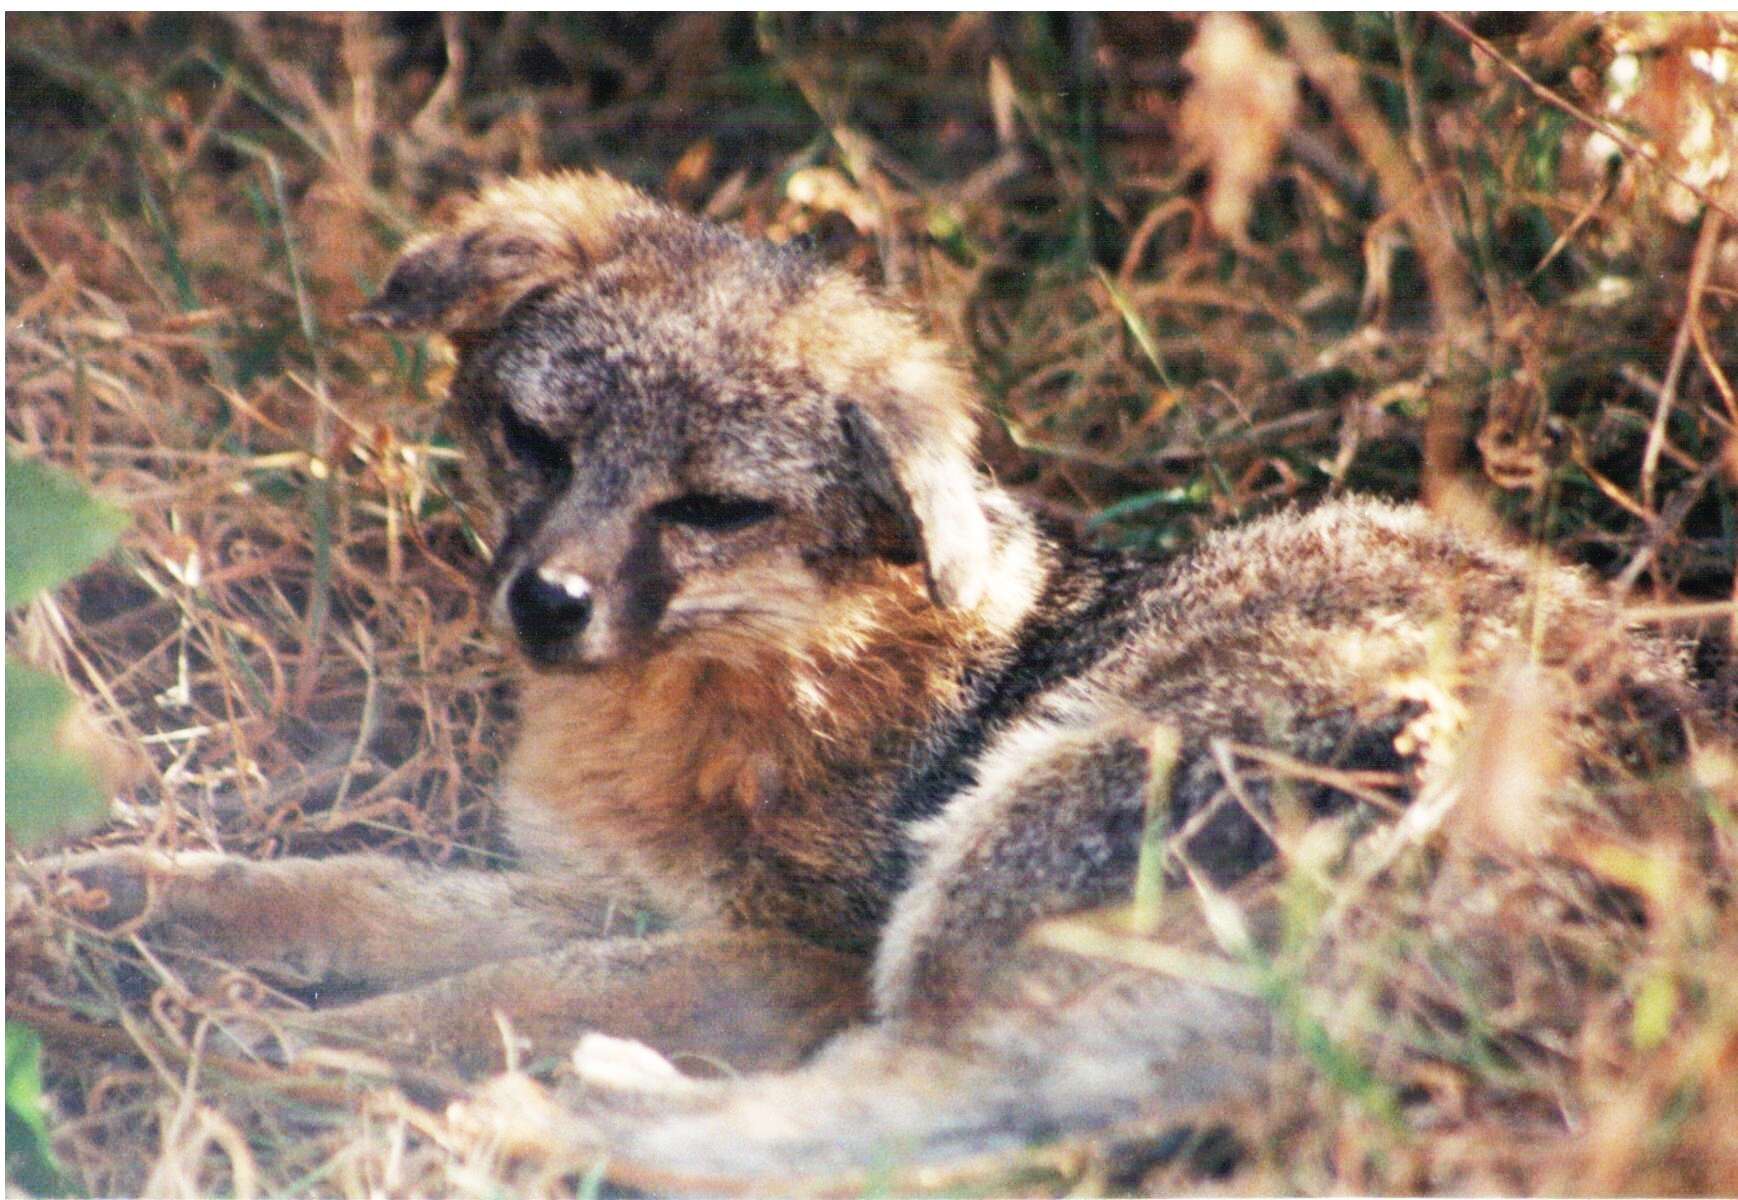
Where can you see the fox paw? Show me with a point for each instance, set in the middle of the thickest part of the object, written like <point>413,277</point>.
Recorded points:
<point>117,888</point>
<point>107,888</point>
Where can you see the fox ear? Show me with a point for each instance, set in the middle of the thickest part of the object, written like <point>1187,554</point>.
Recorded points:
<point>931,490</point>
<point>459,283</point>
<point>515,237</point>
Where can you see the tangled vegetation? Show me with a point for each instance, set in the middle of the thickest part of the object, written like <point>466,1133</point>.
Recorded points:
<point>1203,267</point>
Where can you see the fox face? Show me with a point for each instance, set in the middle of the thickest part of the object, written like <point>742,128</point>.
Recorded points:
<point>693,440</point>
<point>658,485</point>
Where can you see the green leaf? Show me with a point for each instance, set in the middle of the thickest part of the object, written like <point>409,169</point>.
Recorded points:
<point>54,528</point>
<point>29,1161</point>
<point>1149,896</point>
<point>1133,506</point>
<point>1137,326</point>
<point>48,786</point>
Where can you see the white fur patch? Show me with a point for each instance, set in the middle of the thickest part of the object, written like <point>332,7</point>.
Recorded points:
<point>624,1065</point>
<point>575,585</point>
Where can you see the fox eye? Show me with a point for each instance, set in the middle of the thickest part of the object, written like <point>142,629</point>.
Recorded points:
<point>716,514</point>
<point>532,447</point>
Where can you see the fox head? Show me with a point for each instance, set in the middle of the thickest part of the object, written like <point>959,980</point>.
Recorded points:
<point>692,437</point>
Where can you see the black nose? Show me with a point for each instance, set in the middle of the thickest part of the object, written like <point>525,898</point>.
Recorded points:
<point>547,610</point>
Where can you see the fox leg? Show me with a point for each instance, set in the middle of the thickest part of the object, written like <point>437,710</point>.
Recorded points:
<point>985,1039</point>
<point>1131,1050</point>
<point>711,999</point>
<point>361,920</point>
<point>1061,834</point>
<point>1056,824</point>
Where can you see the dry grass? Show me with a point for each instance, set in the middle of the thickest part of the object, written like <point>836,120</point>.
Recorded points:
<point>1418,282</point>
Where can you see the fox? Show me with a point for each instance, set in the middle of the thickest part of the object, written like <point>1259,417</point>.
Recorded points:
<point>820,726</point>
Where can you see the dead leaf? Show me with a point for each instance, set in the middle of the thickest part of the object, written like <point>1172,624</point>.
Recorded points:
<point>1237,113</point>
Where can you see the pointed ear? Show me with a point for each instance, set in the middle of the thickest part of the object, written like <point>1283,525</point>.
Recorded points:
<point>515,237</point>
<point>461,283</point>
<point>931,490</point>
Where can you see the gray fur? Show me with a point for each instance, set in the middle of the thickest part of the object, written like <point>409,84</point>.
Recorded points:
<point>963,701</point>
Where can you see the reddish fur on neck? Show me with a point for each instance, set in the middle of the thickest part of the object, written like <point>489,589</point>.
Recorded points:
<point>678,753</point>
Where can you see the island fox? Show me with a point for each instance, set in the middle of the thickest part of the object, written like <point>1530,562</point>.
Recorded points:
<point>818,722</point>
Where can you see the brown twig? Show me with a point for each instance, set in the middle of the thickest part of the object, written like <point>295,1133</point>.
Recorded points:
<point>1665,525</point>
<point>1623,140</point>
<point>1699,265</point>
<point>1408,194</point>
<point>1711,364</point>
<point>1575,226</point>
